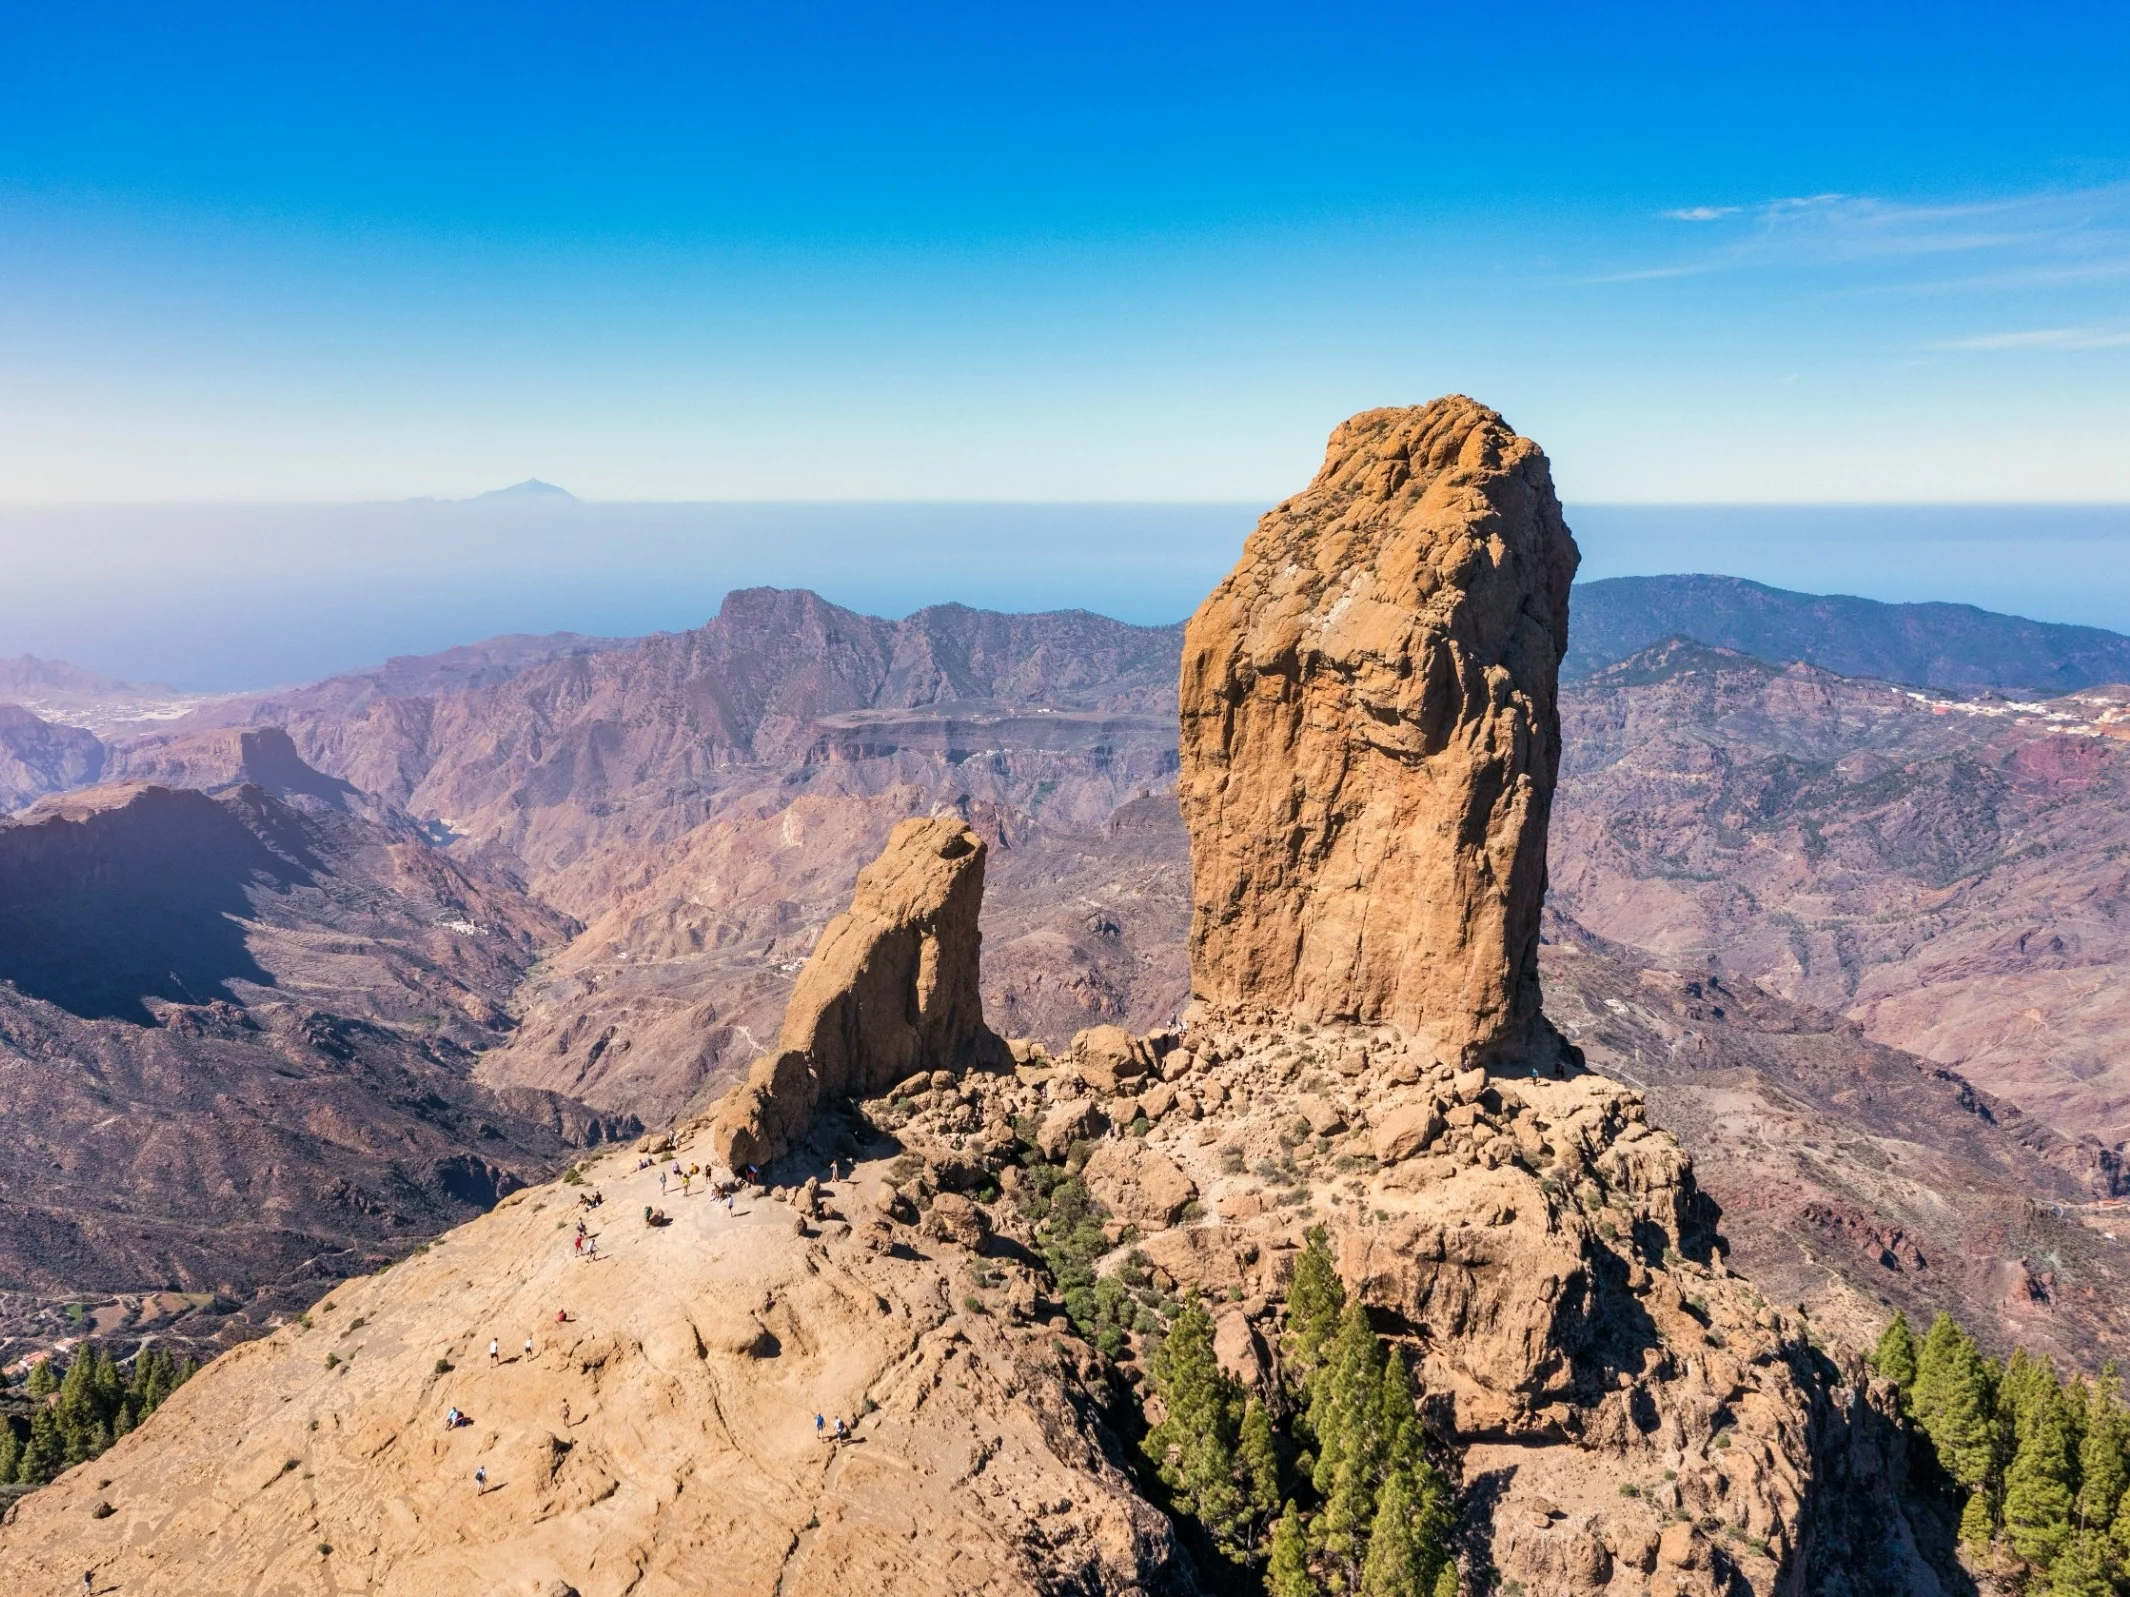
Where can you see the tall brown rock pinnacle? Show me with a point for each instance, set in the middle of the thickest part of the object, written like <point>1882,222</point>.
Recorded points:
<point>891,988</point>
<point>1370,736</point>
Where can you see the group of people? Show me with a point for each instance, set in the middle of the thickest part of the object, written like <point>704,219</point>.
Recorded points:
<point>824,1432</point>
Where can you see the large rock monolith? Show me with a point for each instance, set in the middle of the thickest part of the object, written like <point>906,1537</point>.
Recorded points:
<point>1370,737</point>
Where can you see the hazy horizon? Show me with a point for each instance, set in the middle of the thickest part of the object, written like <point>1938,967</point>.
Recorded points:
<point>219,598</point>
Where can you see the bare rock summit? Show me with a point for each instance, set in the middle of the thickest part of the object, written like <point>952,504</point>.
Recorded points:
<point>1370,736</point>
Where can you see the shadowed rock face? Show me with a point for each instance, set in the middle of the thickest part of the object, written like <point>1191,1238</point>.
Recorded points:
<point>1370,736</point>
<point>891,989</point>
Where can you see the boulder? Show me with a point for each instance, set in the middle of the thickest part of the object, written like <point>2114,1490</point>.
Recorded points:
<point>1324,1116</point>
<point>1406,1130</point>
<point>1370,737</point>
<point>1139,1183</point>
<point>1109,1056</point>
<point>1065,1125</point>
<point>1236,1347</point>
<point>891,989</point>
<point>954,1218</point>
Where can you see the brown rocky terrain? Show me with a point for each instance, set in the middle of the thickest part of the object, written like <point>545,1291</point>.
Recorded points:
<point>1853,1178</point>
<point>1952,874</point>
<point>682,979</point>
<point>1540,1252</point>
<point>580,767</point>
<point>237,1033</point>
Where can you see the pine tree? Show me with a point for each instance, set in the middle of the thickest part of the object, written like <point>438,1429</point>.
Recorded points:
<point>1288,1573</point>
<point>1341,1530</point>
<point>1977,1527</point>
<point>2038,1496</point>
<point>44,1380</point>
<point>10,1451</point>
<point>2103,1453</point>
<point>1954,1404</point>
<point>1194,1448</point>
<point>1345,1399</point>
<point>1315,1297</point>
<point>1396,1563</point>
<point>1895,1357</point>
<point>1257,1453</point>
<point>2082,1568</point>
<point>45,1454</point>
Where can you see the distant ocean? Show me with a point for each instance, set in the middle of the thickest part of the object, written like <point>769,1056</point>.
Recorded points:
<point>220,597</point>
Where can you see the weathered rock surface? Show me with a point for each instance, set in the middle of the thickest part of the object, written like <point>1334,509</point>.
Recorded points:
<point>658,1441</point>
<point>891,989</point>
<point>1370,736</point>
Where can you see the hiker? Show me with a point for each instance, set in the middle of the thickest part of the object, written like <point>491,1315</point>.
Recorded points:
<point>843,1432</point>
<point>820,1425</point>
<point>528,1349</point>
<point>495,1352</point>
<point>661,1183</point>
<point>565,1413</point>
<point>451,1419</point>
<point>480,1480</point>
<point>580,1241</point>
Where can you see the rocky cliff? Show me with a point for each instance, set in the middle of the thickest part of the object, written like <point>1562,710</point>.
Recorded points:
<point>1370,736</point>
<point>890,989</point>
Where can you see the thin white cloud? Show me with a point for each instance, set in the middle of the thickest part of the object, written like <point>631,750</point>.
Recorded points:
<point>2041,338</point>
<point>2060,234</point>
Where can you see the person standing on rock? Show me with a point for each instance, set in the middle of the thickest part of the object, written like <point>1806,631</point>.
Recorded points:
<point>495,1352</point>
<point>661,1183</point>
<point>528,1350</point>
<point>480,1479</point>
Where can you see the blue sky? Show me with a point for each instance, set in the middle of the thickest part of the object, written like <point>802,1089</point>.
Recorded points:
<point>1100,252</point>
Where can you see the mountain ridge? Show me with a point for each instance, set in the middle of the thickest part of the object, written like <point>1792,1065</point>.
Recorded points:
<point>1933,645</point>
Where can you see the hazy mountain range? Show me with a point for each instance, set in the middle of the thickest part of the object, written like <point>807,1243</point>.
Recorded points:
<point>1854,934</point>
